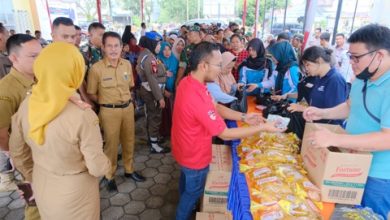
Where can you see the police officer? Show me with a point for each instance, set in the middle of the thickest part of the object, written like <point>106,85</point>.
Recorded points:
<point>109,84</point>
<point>5,63</point>
<point>152,74</point>
<point>22,50</point>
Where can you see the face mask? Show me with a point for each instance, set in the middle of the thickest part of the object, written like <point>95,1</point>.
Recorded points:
<point>366,74</point>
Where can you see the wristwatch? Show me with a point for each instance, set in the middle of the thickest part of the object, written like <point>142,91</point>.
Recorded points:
<point>243,117</point>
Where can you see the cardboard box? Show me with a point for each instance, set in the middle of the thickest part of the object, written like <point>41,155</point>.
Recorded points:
<point>215,193</point>
<point>212,216</point>
<point>340,174</point>
<point>221,158</point>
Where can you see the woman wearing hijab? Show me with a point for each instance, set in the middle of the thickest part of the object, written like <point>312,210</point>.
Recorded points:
<point>171,65</point>
<point>56,141</point>
<point>225,79</point>
<point>178,47</point>
<point>152,74</point>
<point>255,73</point>
<point>288,75</point>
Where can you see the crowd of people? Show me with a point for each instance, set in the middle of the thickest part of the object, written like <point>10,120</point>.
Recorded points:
<point>65,108</point>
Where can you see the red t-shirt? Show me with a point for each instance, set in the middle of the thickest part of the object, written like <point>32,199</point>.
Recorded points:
<point>195,121</point>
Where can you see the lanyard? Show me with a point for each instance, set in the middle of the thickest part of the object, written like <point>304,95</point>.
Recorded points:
<point>365,104</point>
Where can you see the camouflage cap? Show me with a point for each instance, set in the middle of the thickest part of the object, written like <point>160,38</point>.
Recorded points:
<point>195,28</point>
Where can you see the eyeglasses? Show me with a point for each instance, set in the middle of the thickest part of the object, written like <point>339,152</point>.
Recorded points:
<point>217,65</point>
<point>356,59</point>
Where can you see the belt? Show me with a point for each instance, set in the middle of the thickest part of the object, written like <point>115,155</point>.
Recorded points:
<point>124,105</point>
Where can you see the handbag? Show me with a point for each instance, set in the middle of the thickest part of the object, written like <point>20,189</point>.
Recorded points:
<point>241,104</point>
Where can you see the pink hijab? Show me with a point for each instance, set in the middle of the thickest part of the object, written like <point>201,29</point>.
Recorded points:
<point>177,40</point>
<point>226,78</point>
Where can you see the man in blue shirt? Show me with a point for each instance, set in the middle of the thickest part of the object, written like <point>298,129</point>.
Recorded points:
<point>367,112</point>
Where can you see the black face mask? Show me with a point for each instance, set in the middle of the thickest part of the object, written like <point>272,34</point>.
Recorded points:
<point>366,74</point>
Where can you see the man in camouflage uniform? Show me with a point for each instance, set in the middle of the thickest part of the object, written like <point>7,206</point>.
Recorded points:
<point>193,39</point>
<point>92,50</point>
<point>92,53</point>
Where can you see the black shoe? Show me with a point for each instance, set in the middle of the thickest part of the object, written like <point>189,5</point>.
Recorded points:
<point>111,186</point>
<point>135,176</point>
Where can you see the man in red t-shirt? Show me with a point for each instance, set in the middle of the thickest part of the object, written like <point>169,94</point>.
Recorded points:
<point>196,119</point>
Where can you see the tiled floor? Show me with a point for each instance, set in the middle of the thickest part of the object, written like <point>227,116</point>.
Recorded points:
<point>156,198</point>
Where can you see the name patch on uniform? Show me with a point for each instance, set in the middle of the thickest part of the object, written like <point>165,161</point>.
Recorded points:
<point>321,88</point>
<point>212,115</point>
<point>5,98</point>
<point>106,79</point>
<point>309,85</point>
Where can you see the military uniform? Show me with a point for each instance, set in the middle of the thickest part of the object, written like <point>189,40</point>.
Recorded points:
<point>91,54</point>
<point>5,65</point>
<point>185,57</point>
<point>152,74</point>
<point>112,86</point>
<point>14,87</point>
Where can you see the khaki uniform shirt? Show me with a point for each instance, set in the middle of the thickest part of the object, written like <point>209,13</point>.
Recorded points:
<point>153,72</point>
<point>111,84</point>
<point>13,89</point>
<point>5,65</point>
<point>73,144</point>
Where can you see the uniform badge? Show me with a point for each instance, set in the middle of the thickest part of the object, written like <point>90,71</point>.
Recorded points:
<point>212,115</point>
<point>321,88</point>
<point>154,66</point>
<point>125,76</point>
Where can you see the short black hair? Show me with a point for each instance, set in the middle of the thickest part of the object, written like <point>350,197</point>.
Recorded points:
<point>318,29</point>
<point>201,52</point>
<point>374,36</point>
<point>28,31</point>
<point>311,54</point>
<point>299,37</point>
<point>111,34</point>
<point>237,36</point>
<point>62,20</point>
<point>37,32</point>
<point>143,24</point>
<point>15,41</point>
<point>96,25</point>
<point>325,36</point>
<point>183,26</point>
<point>340,34</point>
<point>283,36</point>
<point>77,27</point>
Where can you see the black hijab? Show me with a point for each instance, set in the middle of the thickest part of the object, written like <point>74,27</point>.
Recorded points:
<point>148,44</point>
<point>260,62</point>
<point>257,63</point>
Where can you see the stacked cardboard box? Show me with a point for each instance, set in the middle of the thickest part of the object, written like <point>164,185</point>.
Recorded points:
<point>217,185</point>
